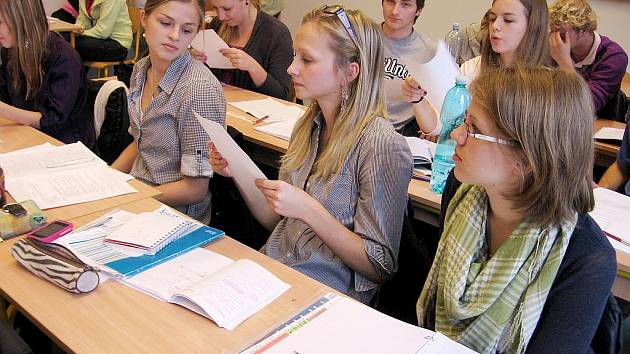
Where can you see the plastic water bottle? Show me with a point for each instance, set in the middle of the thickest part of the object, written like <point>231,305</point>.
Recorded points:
<point>453,41</point>
<point>452,116</point>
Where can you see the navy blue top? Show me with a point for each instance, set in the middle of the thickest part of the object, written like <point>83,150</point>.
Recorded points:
<point>578,295</point>
<point>623,159</point>
<point>62,97</point>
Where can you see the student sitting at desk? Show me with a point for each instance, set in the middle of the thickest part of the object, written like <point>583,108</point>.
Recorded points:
<point>167,88</point>
<point>575,46</point>
<point>105,33</point>
<point>405,46</point>
<point>42,81</point>
<point>520,266</point>
<point>516,32</point>
<point>340,201</point>
<point>617,174</point>
<point>260,48</point>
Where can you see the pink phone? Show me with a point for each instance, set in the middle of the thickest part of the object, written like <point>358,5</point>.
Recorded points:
<point>51,231</point>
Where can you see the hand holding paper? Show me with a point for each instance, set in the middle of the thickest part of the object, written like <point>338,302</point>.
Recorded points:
<point>209,42</point>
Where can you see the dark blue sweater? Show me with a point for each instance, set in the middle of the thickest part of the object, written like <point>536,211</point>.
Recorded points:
<point>578,295</point>
<point>62,97</point>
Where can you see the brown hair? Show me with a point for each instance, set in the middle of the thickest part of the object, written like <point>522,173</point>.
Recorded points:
<point>549,113</point>
<point>366,96</point>
<point>151,5</point>
<point>577,14</point>
<point>226,32</point>
<point>26,20</point>
<point>533,49</point>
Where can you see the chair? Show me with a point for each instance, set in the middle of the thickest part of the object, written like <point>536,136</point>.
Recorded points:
<point>102,67</point>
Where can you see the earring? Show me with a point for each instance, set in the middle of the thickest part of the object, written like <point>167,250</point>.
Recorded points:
<point>27,44</point>
<point>246,2</point>
<point>345,95</point>
<point>144,35</point>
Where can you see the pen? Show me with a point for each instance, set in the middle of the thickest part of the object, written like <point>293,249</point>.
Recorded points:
<point>617,238</point>
<point>70,162</point>
<point>422,178</point>
<point>258,120</point>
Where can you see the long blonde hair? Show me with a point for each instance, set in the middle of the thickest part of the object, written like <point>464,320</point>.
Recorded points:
<point>226,32</point>
<point>366,96</point>
<point>26,20</point>
<point>534,47</point>
<point>549,113</point>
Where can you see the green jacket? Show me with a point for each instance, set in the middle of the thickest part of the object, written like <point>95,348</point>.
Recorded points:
<point>110,19</point>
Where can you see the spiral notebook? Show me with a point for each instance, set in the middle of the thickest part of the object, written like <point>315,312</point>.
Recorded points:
<point>149,232</point>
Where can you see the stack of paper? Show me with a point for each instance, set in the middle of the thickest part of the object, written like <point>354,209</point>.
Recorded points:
<point>422,151</point>
<point>607,133</point>
<point>612,214</point>
<point>88,243</point>
<point>55,176</point>
<point>277,119</point>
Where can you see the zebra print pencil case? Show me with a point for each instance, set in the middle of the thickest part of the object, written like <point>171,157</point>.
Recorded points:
<point>56,264</point>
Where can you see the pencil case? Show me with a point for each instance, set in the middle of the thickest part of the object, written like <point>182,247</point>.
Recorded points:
<point>56,264</point>
<point>16,223</point>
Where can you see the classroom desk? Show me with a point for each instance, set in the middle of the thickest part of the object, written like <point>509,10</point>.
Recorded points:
<point>115,318</point>
<point>16,137</point>
<point>625,84</point>
<point>62,26</point>
<point>606,153</point>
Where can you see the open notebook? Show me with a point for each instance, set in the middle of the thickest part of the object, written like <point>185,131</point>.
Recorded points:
<point>225,291</point>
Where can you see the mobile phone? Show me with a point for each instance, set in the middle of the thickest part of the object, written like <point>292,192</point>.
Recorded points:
<point>51,231</point>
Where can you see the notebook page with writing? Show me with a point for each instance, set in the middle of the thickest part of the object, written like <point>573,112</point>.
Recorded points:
<point>148,231</point>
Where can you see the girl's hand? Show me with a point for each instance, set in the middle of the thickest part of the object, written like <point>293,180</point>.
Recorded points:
<point>218,163</point>
<point>285,199</point>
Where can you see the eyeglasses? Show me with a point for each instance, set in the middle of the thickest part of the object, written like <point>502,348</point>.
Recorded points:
<point>489,138</point>
<point>339,11</point>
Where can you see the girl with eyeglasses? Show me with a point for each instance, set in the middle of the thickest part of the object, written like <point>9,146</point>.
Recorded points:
<point>339,203</point>
<point>520,266</point>
<point>42,81</point>
<point>168,89</point>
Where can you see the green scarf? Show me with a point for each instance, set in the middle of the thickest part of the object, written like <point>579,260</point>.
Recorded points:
<point>494,304</point>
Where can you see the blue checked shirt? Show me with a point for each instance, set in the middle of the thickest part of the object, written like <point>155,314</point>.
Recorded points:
<point>368,196</point>
<point>171,142</point>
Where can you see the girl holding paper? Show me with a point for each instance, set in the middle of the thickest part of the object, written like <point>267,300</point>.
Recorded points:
<point>338,208</point>
<point>260,48</point>
<point>168,89</point>
<point>513,31</point>
<point>42,81</point>
<point>520,263</point>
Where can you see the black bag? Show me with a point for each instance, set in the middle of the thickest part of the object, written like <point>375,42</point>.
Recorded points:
<point>114,136</point>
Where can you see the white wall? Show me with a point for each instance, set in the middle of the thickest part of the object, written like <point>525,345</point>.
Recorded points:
<point>52,5</point>
<point>438,15</point>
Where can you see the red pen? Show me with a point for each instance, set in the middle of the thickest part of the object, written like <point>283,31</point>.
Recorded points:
<point>617,238</point>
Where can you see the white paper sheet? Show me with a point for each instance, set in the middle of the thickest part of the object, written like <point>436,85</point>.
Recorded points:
<point>209,42</point>
<point>421,147</point>
<point>242,167</point>
<point>607,133</point>
<point>46,158</point>
<point>436,76</point>
<point>60,188</point>
<point>346,326</point>
<point>274,111</point>
<point>612,214</point>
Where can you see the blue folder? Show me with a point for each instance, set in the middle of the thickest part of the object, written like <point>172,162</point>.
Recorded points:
<point>196,238</point>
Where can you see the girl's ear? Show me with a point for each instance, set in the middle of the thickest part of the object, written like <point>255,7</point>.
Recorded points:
<point>143,19</point>
<point>352,72</point>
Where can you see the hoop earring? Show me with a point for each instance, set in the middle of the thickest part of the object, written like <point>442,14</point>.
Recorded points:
<point>345,96</point>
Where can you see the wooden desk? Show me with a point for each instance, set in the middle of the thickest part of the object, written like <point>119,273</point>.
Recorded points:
<point>625,84</point>
<point>115,318</point>
<point>16,137</point>
<point>606,153</point>
<point>62,26</point>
